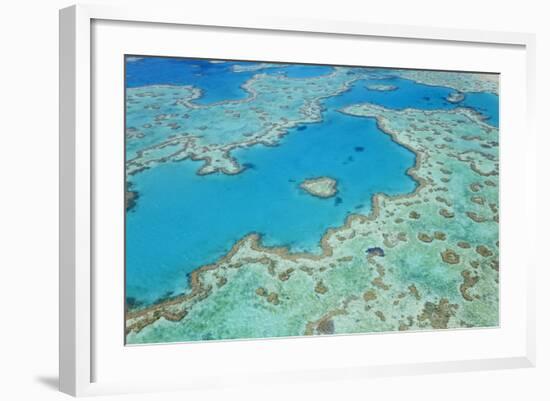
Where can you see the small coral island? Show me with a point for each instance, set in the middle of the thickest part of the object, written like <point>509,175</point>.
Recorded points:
<point>381,87</point>
<point>455,97</point>
<point>322,187</point>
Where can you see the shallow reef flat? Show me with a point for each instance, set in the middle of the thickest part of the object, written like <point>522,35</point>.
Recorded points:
<point>421,261</point>
<point>462,82</point>
<point>255,66</point>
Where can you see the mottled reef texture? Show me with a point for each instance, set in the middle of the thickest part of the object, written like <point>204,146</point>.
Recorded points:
<point>130,197</point>
<point>462,82</point>
<point>211,132</point>
<point>426,260</point>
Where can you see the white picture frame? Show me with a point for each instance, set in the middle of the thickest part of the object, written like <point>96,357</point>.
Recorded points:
<point>78,348</point>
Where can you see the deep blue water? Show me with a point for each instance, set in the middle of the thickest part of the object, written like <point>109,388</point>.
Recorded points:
<point>183,220</point>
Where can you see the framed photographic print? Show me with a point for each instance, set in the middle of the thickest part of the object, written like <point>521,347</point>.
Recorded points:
<point>267,200</point>
<point>279,199</point>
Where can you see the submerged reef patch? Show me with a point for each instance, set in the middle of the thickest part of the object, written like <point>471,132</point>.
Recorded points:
<point>382,87</point>
<point>130,198</point>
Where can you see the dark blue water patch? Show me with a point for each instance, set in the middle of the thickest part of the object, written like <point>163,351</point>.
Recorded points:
<point>348,159</point>
<point>186,220</point>
<point>375,251</point>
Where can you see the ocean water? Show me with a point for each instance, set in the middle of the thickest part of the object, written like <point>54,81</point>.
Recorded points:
<point>183,221</point>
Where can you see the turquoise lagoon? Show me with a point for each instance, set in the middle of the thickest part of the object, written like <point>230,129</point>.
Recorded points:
<point>183,220</point>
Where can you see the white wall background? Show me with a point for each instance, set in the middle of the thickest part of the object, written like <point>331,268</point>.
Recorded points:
<point>28,197</point>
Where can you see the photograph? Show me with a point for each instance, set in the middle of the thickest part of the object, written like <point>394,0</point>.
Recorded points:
<point>277,199</point>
